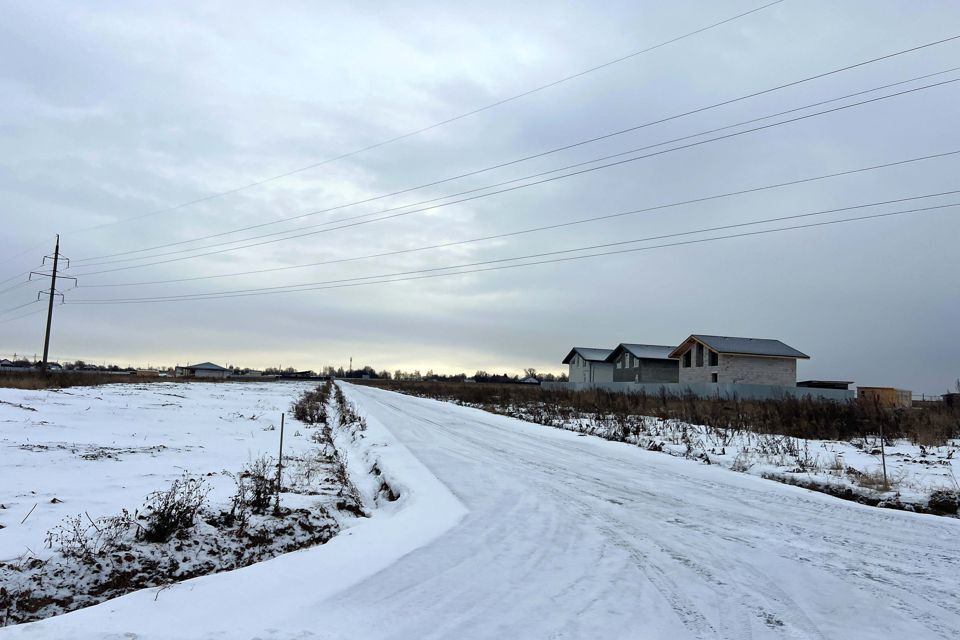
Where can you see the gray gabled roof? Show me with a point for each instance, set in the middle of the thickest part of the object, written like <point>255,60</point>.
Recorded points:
<point>645,351</point>
<point>743,346</point>
<point>207,366</point>
<point>588,353</point>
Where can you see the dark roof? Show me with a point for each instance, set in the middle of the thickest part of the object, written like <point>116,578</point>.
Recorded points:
<point>646,351</point>
<point>825,384</point>
<point>207,366</point>
<point>588,353</point>
<point>743,346</point>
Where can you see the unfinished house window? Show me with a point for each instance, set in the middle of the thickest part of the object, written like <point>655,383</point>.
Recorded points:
<point>713,359</point>
<point>687,358</point>
<point>714,377</point>
<point>699,355</point>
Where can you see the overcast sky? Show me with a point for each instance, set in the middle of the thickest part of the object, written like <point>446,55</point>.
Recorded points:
<point>111,111</point>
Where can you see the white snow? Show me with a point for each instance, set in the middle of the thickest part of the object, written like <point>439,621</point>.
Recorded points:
<point>101,449</point>
<point>913,471</point>
<point>505,529</point>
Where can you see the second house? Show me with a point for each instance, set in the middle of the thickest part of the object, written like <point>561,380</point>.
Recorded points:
<point>644,363</point>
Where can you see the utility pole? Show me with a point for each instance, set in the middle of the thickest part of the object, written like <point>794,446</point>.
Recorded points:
<point>53,293</point>
<point>53,289</point>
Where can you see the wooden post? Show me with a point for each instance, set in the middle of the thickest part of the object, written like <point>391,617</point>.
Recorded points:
<point>276,508</point>
<point>883,458</point>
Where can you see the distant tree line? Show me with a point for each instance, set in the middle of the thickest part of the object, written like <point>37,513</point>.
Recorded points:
<point>365,372</point>
<point>369,373</point>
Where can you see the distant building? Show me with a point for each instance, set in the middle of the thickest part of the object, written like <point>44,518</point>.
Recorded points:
<point>886,396</point>
<point>644,363</point>
<point>247,373</point>
<point>202,370</point>
<point>298,374</point>
<point>589,365</point>
<point>730,360</point>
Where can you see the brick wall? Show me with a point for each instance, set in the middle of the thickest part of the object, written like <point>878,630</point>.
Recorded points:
<point>758,370</point>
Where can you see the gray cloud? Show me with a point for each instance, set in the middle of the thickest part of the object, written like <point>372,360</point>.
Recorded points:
<point>114,110</point>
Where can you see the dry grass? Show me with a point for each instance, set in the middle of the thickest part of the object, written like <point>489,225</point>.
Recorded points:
<point>875,480</point>
<point>795,417</point>
<point>33,380</point>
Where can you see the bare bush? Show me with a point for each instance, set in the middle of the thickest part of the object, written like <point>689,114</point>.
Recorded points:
<point>311,406</point>
<point>261,483</point>
<point>167,512</point>
<point>82,537</point>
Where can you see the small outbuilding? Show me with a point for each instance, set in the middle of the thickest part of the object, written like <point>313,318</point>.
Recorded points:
<point>889,397</point>
<point>644,363</point>
<point>588,364</point>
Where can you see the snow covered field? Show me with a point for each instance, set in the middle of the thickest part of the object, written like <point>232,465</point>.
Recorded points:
<point>97,450</point>
<point>505,529</point>
<point>106,490</point>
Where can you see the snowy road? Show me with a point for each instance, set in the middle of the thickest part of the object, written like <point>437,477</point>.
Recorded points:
<point>571,536</point>
<point>567,536</point>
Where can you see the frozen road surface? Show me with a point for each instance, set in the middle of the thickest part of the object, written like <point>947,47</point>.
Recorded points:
<point>512,530</point>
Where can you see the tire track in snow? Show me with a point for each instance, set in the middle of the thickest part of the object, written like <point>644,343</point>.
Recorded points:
<point>692,533</point>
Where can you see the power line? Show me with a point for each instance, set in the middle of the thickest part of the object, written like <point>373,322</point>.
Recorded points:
<point>17,255</point>
<point>360,220</point>
<point>558,225</point>
<point>431,272</point>
<point>26,274</point>
<point>437,124</point>
<point>16,286</point>
<point>25,315</point>
<point>17,308</point>
<point>19,275</point>
<point>297,232</point>
<point>565,147</point>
